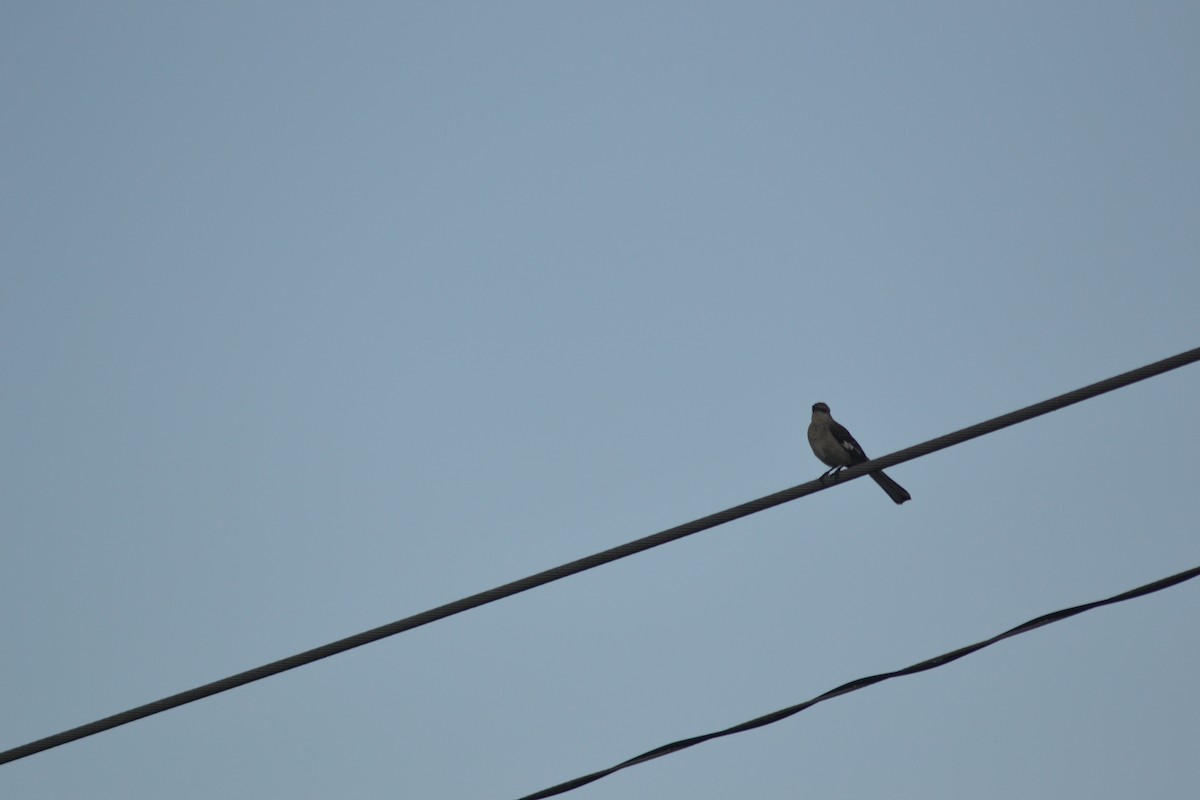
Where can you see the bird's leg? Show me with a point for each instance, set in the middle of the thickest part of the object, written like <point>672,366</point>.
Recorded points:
<point>825,474</point>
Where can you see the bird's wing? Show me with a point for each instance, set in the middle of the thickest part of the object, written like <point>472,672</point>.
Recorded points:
<point>849,442</point>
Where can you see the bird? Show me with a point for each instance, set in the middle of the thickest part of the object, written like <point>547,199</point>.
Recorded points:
<point>837,449</point>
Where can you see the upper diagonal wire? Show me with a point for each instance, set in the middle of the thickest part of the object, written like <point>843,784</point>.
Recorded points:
<point>597,559</point>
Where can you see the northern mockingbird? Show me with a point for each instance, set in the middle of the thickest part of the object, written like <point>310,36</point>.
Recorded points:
<point>834,445</point>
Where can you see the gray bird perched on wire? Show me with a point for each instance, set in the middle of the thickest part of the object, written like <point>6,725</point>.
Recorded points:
<point>837,449</point>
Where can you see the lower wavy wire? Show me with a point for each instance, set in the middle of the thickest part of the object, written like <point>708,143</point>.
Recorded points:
<point>862,683</point>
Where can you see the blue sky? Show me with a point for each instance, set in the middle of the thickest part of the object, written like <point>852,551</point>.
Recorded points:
<point>317,316</point>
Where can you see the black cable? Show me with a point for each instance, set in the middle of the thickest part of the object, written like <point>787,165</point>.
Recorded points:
<point>595,560</point>
<point>863,683</point>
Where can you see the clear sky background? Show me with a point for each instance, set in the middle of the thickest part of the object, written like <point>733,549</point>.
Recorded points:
<point>314,316</point>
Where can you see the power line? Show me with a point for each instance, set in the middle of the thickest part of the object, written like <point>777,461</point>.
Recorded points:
<point>595,560</point>
<point>863,683</point>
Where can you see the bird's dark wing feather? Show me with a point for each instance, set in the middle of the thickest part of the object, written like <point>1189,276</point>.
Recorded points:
<point>847,441</point>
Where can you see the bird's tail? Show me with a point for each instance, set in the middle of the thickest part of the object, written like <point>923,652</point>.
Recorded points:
<point>895,491</point>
